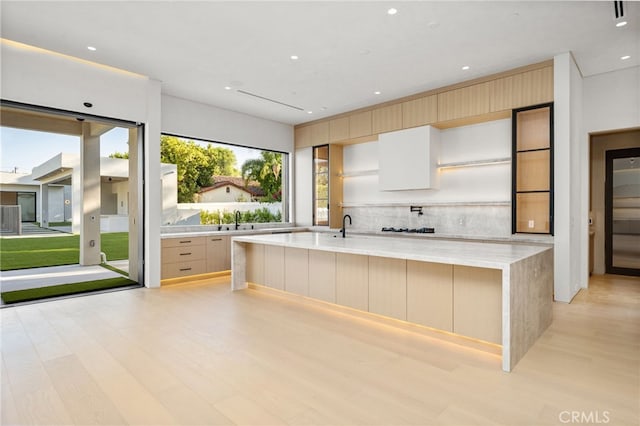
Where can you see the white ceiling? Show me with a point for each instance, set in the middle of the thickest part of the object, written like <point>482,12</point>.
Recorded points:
<point>347,50</point>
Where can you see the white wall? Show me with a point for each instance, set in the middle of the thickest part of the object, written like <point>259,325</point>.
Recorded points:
<point>195,120</point>
<point>570,183</point>
<point>40,77</point>
<point>612,100</point>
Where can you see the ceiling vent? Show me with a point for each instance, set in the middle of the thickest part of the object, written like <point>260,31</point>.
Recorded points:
<point>618,10</point>
<point>270,100</point>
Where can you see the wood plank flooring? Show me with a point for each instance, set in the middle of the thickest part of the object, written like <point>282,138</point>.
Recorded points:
<point>199,354</point>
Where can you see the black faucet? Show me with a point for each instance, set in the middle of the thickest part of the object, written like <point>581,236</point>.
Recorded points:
<point>344,227</point>
<point>237,219</point>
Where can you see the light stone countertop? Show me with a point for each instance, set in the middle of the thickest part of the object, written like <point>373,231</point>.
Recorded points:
<point>232,232</point>
<point>468,253</point>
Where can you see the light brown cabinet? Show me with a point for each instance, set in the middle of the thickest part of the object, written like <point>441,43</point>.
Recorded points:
<point>274,267</point>
<point>419,112</point>
<point>338,129</point>
<point>183,257</point>
<point>386,119</point>
<point>322,275</point>
<point>302,136</point>
<point>360,124</point>
<point>460,299</point>
<point>296,271</point>
<point>533,158</point>
<point>477,303</point>
<point>319,133</point>
<point>388,287</point>
<point>255,263</point>
<point>430,294</point>
<point>464,102</point>
<point>491,98</point>
<point>218,253</point>
<point>523,89</point>
<point>352,281</point>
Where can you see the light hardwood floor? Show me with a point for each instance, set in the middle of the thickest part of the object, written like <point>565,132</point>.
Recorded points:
<point>198,353</point>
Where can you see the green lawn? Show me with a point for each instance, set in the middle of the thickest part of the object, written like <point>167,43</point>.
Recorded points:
<point>64,289</point>
<point>21,253</point>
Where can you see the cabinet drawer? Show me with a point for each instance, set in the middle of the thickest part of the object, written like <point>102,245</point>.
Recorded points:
<point>218,253</point>
<point>182,242</point>
<point>183,269</point>
<point>183,254</point>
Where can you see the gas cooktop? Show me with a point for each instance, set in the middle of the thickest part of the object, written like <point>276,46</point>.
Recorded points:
<point>410,230</point>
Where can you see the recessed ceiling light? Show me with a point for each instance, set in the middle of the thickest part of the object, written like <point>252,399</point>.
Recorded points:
<point>377,92</point>
<point>625,57</point>
<point>621,24</point>
<point>294,57</point>
<point>227,87</point>
<point>91,48</point>
<point>466,67</point>
<point>309,112</point>
<point>392,11</point>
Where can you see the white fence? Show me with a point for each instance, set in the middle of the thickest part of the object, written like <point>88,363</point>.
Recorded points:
<point>231,207</point>
<point>11,220</point>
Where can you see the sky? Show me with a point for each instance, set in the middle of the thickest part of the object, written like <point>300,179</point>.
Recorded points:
<point>22,150</point>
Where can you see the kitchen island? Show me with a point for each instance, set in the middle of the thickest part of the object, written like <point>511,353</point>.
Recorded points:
<point>497,293</point>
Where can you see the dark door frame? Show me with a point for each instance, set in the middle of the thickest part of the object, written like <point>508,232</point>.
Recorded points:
<point>608,210</point>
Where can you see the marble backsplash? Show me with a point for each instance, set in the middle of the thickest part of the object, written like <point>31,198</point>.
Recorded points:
<point>463,220</point>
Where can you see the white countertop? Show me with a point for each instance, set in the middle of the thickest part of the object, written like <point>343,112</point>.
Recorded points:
<point>242,231</point>
<point>468,253</point>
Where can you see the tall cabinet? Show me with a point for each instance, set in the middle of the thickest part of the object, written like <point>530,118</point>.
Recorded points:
<point>532,182</point>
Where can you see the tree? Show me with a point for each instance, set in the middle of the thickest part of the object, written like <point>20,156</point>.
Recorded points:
<point>267,171</point>
<point>196,164</point>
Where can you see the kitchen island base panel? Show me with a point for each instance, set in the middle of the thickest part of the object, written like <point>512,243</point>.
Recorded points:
<point>439,336</point>
<point>477,303</point>
<point>322,275</point>
<point>388,287</point>
<point>512,301</point>
<point>296,271</point>
<point>430,294</point>
<point>352,281</point>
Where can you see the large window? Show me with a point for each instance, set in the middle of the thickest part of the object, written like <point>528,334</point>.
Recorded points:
<point>321,185</point>
<point>209,183</point>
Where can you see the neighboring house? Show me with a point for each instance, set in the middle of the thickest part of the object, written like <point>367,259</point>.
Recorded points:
<point>47,194</point>
<point>230,189</point>
<point>21,189</point>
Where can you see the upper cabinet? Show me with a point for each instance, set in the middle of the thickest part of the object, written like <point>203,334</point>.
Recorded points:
<point>464,102</point>
<point>339,129</point>
<point>387,119</point>
<point>408,159</point>
<point>360,124</point>
<point>485,99</point>
<point>419,112</point>
<point>524,89</point>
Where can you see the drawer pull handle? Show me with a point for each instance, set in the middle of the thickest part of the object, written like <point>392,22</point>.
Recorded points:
<point>185,254</point>
<point>184,269</point>
<point>185,242</point>
<point>216,239</point>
